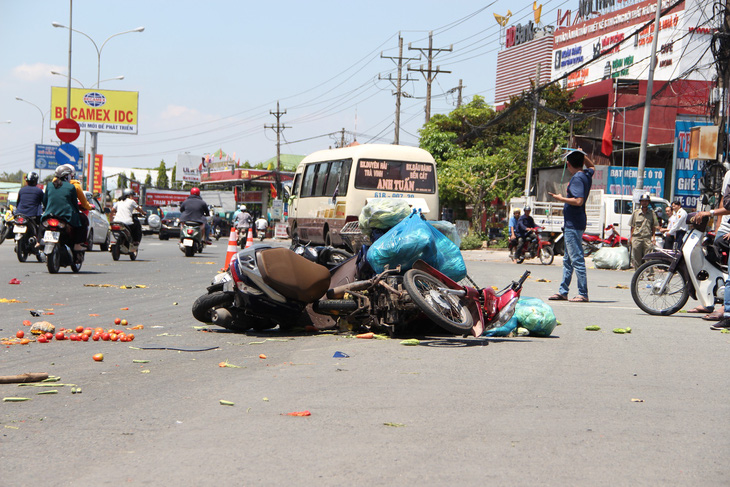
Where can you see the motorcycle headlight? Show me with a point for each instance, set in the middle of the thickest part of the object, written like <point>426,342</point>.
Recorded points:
<point>506,313</point>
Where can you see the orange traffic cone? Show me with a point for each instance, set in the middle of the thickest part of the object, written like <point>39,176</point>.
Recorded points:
<point>249,239</point>
<point>232,248</point>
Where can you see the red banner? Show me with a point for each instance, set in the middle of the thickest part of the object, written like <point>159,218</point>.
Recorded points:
<point>95,185</point>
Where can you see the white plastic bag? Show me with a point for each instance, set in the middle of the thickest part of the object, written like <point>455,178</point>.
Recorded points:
<point>611,258</point>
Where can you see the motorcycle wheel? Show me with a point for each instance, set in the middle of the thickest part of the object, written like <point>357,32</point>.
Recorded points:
<point>546,255</point>
<point>53,262</point>
<point>520,259</point>
<point>446,310</point>
<point>22,251</point>
<point>76,267</point>
<point>90,240</point>
<point>115,251</point>
<point>651,275</point>
<point>189,251</point>
<point>203,306</point>
<point>4,233</point>
<point>133,255</point>
<point>105,246</point>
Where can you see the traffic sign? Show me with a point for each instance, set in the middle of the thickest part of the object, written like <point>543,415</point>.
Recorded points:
<point>67,154</point>
<point>68,130</point>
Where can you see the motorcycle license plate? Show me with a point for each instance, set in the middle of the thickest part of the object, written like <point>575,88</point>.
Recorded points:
<point>188,242</point>
<point>20,229</point>
<point>51,237</point>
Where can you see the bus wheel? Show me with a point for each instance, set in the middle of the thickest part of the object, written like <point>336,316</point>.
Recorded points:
<point>328,239</point>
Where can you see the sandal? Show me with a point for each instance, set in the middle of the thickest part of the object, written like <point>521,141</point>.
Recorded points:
<point>700,309</point>
<point>558,297</point>
<point>579,299</point>
<point>715,315</point>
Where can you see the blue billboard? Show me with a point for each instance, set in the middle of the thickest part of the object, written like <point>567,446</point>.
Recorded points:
<point>45,158</point>
<point>623,180</point>
<point>687,172</point>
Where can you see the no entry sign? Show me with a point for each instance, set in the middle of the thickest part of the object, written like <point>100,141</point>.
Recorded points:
<point>68,130</point>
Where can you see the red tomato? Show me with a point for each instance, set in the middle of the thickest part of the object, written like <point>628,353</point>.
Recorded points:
<point>42,339</point>
<point>25,341</point>
<point>60,336</point>
<point>49,335</point>
<point>117,321</point>
<point>98,357</point>
<point>99,330</point>
<point>96,337</point>
<point>79,329</point>
<point>124,322</point>
<point>113,337</point>
<point>130,337</point>
<point>84,337</point>
<point>26,322</point>
<point>20,334</point>
<point>105,336</point>
<point>87,332</point>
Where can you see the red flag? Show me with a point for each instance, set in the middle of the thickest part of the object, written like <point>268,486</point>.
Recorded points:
<point>607,145</point>
<point>273,191</point>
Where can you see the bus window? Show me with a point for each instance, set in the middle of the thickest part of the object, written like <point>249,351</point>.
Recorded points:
<point>411,177</point>
<point>344,177</point>
<point>321,178</point>
<point>308,181</point>
<point>333,178</point>
<point>295,184</point>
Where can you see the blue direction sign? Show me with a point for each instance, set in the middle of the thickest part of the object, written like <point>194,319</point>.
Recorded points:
<point>68,154</point>
<point>45,158</point>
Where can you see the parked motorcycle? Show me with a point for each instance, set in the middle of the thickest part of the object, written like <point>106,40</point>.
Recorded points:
<point>6,224</point>
<point>534,246</point>
<point>59,242</point>
<point>667,278</point>
<point>592,243</point>
<point>192,239</point>
<point>460,308</point>
<point>325,255</point>
<point>26,238</point>
<point>123,242</point>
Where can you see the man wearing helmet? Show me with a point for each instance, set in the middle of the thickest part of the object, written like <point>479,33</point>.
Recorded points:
<point>644,224</point>
<point>123,212</point>
<point>194,209</point>
<point>243,222</point>
<point>525,226</point>
<point>64,199</point>
<point>30,201</point>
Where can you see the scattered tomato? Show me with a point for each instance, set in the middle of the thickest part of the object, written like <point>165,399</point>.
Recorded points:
<point>42,339</point>
<point>99,357</point>
<point>130,337</point>
<point>25,341</point>
<point>73,337</point>
<point>87,332</point>
<point>26,322</point>
<point>96,337</point>
<point>60,336</point>
<point>262,356</point>
<point>49,335</point>
<point>79,329</point>
<point>99,329</point>
<point>84,337</point>
<point>20,334</point>
<point>105,336</point>
<point>125,322</point>
<point>117,321</point>
<point>113,337</point>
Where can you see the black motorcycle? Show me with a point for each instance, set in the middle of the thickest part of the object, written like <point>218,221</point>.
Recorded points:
<point>26,238</point>
<point>59,244</point>
<point>123,242</point>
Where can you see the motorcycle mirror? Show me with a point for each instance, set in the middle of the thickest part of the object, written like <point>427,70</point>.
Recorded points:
<point>705,201</point>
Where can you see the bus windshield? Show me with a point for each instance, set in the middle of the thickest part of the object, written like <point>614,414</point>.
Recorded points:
<point>411,177</point>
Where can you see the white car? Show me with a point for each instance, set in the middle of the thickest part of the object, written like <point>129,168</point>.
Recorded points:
<point>98,224</point>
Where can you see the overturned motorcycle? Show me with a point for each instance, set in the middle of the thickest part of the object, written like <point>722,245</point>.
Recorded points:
<point>266,286</point>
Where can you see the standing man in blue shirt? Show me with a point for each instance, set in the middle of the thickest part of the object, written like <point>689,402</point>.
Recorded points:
<point>512,233</point>
<point>574,214</point>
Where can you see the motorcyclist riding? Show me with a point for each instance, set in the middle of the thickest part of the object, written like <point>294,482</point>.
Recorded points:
<point>64,199</point>
<point>30,200</point>
<point>124,212</point>
<point>195,209</point>
<point>243,221</point>
<point>525,226</point>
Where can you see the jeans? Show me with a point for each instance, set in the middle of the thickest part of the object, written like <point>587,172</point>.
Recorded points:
<point>574,260</point>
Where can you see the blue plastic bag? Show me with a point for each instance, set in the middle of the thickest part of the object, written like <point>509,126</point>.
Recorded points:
<point>503,330</point>
<point>413,239</point>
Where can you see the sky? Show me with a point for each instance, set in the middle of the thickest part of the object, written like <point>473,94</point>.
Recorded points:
<point>210,72</point>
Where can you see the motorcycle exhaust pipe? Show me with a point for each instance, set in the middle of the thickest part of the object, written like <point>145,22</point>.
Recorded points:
<point>339,291</point>
<point>221,317</point>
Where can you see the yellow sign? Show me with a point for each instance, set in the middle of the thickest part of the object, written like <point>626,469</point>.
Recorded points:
<point>97,110</point>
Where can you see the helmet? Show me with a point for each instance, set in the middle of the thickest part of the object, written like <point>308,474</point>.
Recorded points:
<point>64,171</point>
<point>242,207</point>
<point>127,193</point>
<point>195,192</point>
<point>645,197</point>
<point>32,178</point>
<point>527,208</point>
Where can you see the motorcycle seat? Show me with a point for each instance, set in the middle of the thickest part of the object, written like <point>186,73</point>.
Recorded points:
<point>292,275</point>
<point>192,223</point>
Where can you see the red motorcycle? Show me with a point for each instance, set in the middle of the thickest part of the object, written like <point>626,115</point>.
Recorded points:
<point>592,243</point>
<point>534,246</point>
<point>457,308</point>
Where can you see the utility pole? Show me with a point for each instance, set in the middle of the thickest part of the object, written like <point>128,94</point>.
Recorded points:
<point>398,84</point>
<point>458,99</point>
<point>533,129</point>
<point>647,103</point>
<point>278,128</point>
<point>722,51</point>
<point>429,74</point>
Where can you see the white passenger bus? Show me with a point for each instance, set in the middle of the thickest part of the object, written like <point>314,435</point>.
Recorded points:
<point>331,187</point>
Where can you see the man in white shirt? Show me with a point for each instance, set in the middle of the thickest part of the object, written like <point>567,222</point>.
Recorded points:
<point>123,212</point>
<point>679,229</point>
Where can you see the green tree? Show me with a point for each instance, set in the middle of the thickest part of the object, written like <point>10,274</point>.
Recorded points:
<point>148,180</point>
<point>121,181</point>
<point>132,177</point>
<point>162,181</point>
<point>174,184</point>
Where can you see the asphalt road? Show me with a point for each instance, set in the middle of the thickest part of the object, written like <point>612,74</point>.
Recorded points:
<point>505,411</point>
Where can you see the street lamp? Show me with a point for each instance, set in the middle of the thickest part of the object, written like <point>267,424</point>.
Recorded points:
<point>7,121</point>
<point>81,84</point>
<point>94,135</point>
<point>43,117</point>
